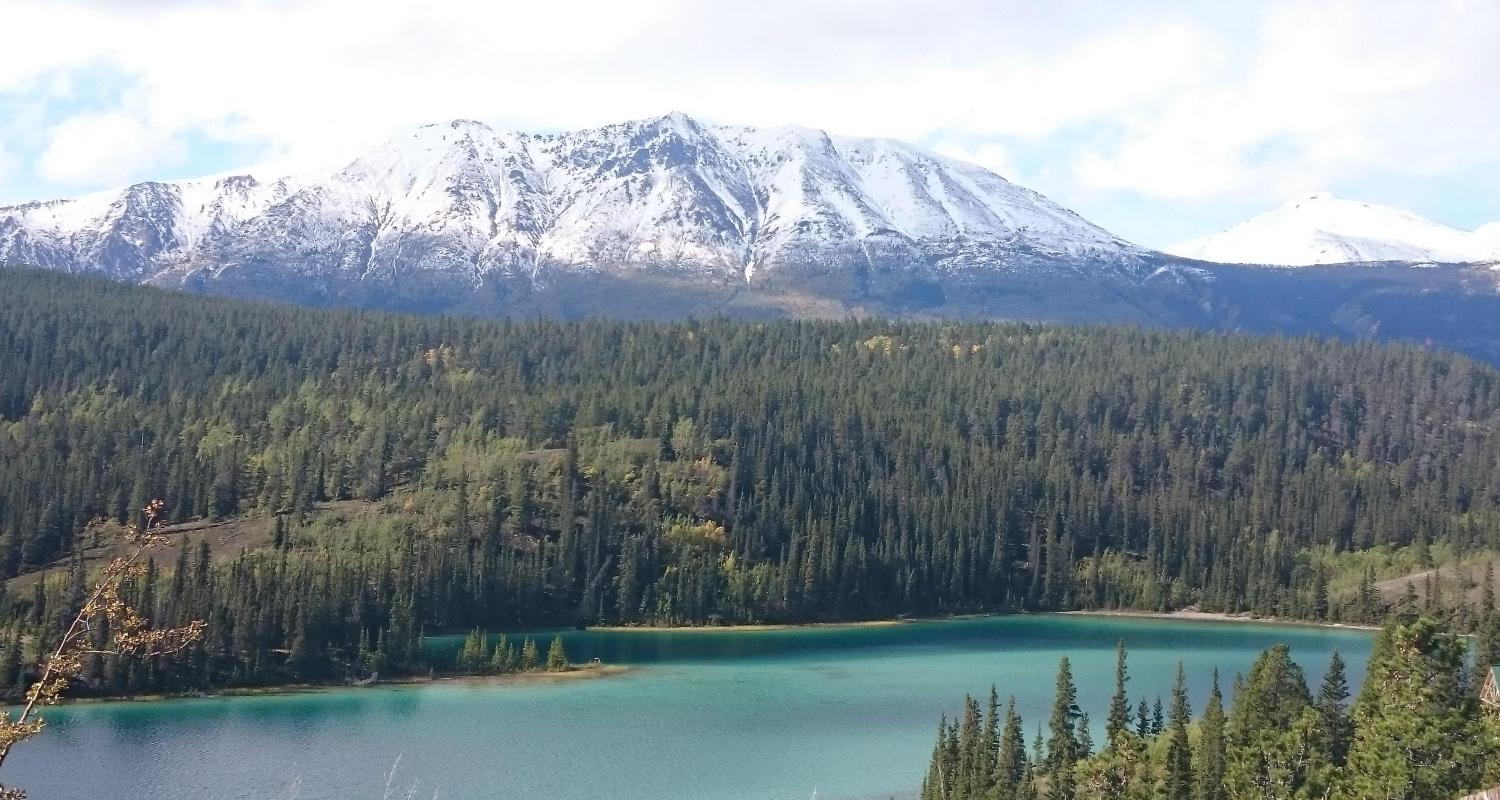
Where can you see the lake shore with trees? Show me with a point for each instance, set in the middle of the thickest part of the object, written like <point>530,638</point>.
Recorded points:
<point>336,485</point>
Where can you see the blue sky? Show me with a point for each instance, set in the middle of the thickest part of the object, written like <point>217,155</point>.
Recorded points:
<point>1158,120</point>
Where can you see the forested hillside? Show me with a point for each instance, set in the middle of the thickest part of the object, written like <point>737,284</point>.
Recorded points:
<point>524,473</point>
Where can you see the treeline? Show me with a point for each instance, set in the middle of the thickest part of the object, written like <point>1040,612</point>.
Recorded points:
<point>543,473</point>
<point>1415,731</point>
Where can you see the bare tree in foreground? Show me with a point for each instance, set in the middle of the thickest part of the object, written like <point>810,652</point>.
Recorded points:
<point>130,634</point>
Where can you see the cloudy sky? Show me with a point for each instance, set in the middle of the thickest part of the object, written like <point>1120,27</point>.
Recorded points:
<point>1158,120</point>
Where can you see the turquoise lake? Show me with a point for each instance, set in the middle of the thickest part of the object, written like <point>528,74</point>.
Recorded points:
<point>836,713</point>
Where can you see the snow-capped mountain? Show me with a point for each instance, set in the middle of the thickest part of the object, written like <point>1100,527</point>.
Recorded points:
<point>1323,229</point>
<point>460,202</point>
<point>667,218</point>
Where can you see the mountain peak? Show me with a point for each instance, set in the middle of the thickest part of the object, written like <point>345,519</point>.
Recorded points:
<point>457,201</point>
<point>679,119</point>
<point>1321,228</point>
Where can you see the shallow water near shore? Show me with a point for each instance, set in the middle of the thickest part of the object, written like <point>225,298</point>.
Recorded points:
<point>840,712</point>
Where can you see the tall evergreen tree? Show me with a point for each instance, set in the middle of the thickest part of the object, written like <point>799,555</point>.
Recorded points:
<point>1274,734</point>
<point>1211,746</point>
<point>1179,762</point>
<point>1417,731</point>
<point>1331,703</point>
<point>1062,740</point>
<point>1010,766</point>
<point>557,657</point>
<point>1119,704</point>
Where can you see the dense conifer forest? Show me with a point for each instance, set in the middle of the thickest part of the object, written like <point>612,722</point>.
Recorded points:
<point>413,475</point>
<point>1415,731</point>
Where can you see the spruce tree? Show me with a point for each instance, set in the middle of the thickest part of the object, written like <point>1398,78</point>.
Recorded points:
<point>472,656</point>
<point>990,745</point>
<point>1417,730</point>
<point>1331,703</point>
<point>1062,741</point>
<point>1010,766</point>
<point>1211,746</point>
<point>1487,634</point>
<point>1119,705</point>
<point>1275,736</point>
<point>503,659</point>
<point>936,786</point>
<point>557,657</point>
<point>1179,763</point>
<point>1085,737</point>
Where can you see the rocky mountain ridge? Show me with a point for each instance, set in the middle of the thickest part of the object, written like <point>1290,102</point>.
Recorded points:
<point>460,202</point>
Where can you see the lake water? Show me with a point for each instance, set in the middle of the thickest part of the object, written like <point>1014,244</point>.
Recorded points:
<point>845,712</point>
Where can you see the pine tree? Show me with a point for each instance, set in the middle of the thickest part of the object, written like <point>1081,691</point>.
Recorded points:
<point>1211,746</point>
<point>1085,737</point>
<point>1119,705</point>
<point>989,749</point>
<point>503,659</point>
<point>1275,736</point>
<point>1179,764</point>
<point>1406,608</point>
<point>1416,727</point>
<point>1062,742</point>
<point>936,785</point>
<point>970,775</point>
<point>530,658</point>
<point>1487,635</point>
<point>1010,765</point>
<point>1331,703</point>
<point>557,658</point>
<point>472,657</point>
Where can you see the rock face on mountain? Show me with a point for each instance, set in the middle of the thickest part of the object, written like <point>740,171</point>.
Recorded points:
<point>1323,229</point>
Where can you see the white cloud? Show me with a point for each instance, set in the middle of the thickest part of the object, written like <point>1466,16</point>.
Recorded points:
<point>101,149</point>
<point>307,76</point>
<point>1330,89</point>
<point>1157,98</point>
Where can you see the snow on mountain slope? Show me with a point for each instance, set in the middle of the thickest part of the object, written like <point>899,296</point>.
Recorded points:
<point>659,192</point>
<point>458,201</point>
<point>1323,229</point>
<point>1489,235</point>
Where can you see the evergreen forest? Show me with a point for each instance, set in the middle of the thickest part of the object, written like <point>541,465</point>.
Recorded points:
<point>1415,731</point>
<point>340,484</point>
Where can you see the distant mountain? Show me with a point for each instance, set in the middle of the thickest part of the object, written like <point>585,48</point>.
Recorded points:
<point>669,217</point>
<point>459,203</point>
<point>1323,229</point>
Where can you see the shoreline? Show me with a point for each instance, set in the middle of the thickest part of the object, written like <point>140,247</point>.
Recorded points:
<point>761,627</point>
<point>587,671</point>
<point>1187,615</point>
<point>584,672</point>
<point>1181,615</point>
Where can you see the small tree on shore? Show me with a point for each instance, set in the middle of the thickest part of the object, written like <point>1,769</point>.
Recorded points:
<point>557,658</point>
<point>504,658</point>
<point>474,657</point>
